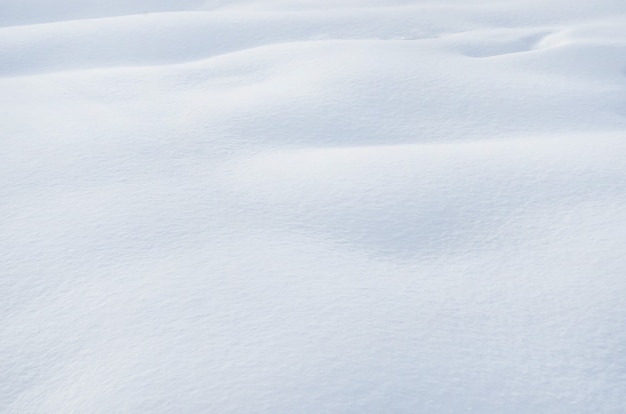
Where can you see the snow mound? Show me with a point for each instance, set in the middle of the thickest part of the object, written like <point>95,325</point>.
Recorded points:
<point>313,206</point>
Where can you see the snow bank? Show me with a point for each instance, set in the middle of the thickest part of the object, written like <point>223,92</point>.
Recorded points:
<point>312,206</point>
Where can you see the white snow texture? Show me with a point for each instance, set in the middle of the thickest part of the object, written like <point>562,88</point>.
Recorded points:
<point>313,206</point>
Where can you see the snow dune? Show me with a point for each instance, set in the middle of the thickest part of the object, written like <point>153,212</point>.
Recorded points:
<point>312,206</point>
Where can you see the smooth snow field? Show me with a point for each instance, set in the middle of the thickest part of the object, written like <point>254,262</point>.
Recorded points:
<point>313,206</point>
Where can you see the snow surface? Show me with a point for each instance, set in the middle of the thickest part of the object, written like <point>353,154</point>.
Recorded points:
<point>313,206</point>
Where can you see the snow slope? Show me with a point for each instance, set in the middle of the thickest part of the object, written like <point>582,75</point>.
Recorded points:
<point>313,206</point>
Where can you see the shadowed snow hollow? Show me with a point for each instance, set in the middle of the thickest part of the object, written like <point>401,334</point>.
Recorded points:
<point>312,207</point>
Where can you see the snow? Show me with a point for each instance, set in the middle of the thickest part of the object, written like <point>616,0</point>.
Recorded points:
<point>272,206</point>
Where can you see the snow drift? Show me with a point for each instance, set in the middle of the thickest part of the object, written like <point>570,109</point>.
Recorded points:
<point>313,206</point>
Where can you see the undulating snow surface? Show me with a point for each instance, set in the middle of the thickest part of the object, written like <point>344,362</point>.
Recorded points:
<point>313,206</point>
